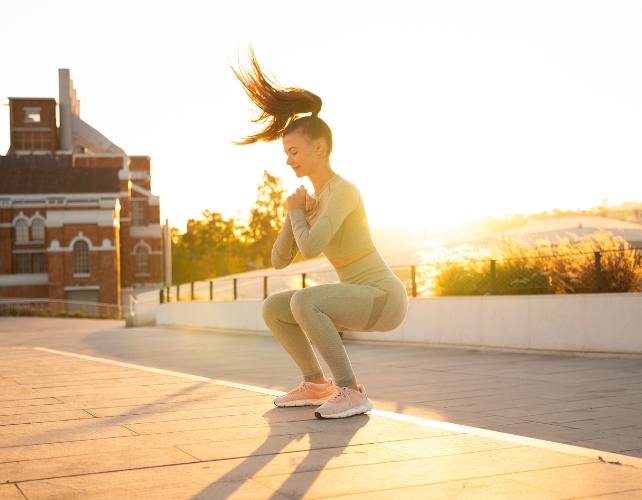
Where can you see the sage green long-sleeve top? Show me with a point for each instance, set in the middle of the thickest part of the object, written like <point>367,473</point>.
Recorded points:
<point>338,227</point>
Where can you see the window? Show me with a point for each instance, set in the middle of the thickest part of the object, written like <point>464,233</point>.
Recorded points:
<point>81,258</point>
<point>142,260</point>
<point>22,263</point>
<point>32,115</point>
<point>22,231</point>
<point>38,230</point>
<point>38,264</point>
<point>138,213</point>
<point>32,141</point>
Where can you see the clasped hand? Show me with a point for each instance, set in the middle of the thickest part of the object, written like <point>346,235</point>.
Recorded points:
<point>301,199</point>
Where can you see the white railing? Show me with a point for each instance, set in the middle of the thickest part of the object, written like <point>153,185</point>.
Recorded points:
<point>61,309</point>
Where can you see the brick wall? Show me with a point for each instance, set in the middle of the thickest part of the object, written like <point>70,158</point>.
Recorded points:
<point>24,292</point>
<point>98,161</point>
<point>104,269</point>
<point>32,129</point>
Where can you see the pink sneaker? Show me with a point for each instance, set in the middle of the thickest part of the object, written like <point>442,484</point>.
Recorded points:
<point>345,402</point>
<point>307,394</point>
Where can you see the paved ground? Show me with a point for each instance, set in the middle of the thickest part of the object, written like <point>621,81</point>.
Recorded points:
<point>78,428</point>
<point>589,402</point>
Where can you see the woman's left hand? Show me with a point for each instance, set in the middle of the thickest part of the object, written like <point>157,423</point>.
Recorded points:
<point>296,199</point>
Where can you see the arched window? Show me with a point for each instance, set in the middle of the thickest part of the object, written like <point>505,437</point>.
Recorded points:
<point>142,260</point>
<point>22,231</point>
<point>81,257</point>
<point>38,230</point>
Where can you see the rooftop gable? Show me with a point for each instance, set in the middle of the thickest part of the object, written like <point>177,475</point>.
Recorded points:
<point>58,180</point>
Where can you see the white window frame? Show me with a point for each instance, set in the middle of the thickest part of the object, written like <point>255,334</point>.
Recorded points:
<point>31,111</point>
<point>44,262</point>
<point>140,213</point>
<point>85,270</point>
<point>21,259</point>
<point>22,231</point>
<point>141,256</point>
<point>40,223</point>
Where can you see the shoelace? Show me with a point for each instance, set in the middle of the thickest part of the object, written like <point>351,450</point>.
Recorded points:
<point>302,387</point>
<point>339,394</point>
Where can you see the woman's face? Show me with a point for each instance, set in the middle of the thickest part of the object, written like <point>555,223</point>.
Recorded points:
<point>303,155</point>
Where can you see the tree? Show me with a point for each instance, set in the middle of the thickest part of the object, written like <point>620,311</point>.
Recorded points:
<point>266,220</point>
<point>209,247</point>
<point>215,246</point>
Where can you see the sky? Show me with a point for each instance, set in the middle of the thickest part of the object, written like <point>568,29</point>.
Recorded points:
<point>441,111</point>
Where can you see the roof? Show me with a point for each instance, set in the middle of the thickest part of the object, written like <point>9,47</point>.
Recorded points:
<point>58,180</point>
<point>569,227</point>
<point>577,222</point>
<point>31,98</point>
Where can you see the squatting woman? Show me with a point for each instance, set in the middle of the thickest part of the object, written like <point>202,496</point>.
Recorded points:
<point>369,296</point>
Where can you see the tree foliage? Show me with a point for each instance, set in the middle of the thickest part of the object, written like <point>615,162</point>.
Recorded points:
<point>266,219</point>
<point>535,267</point>
<point>215,246</point>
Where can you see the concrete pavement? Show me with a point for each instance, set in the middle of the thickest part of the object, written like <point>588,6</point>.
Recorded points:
<point>75,427</point>
<point>589,402</point>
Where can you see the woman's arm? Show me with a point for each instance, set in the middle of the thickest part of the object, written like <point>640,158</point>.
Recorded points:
<point>343,200</point>
<point>285,248</point>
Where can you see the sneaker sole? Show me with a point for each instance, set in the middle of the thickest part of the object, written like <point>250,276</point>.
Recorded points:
<point>302,402</point>
<point>350,412</point>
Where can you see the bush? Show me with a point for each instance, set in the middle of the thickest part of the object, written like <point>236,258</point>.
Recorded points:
<point>575,272</point>
<point>535,267</point>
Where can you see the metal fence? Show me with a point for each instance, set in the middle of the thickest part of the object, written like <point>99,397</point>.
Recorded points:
<point>61,309</point>
<point>259,287</point>
<point>595,272</point>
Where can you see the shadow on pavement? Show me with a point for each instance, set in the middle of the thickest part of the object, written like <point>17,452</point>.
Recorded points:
<point>332,442</point>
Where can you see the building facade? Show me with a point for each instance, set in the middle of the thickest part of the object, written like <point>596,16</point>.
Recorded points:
<point>78,220</point>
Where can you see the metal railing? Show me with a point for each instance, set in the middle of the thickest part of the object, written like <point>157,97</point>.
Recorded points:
<point>595,272</point>
<point>259,287</point>
<point>54,308</point>
<point>610,271</point>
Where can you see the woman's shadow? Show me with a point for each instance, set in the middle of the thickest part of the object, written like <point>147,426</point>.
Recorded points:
<point>327,439</point>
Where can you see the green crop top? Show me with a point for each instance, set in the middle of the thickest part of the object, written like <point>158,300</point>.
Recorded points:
<point>338,227</point>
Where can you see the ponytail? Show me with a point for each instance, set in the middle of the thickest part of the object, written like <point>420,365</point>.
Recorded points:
<point>280,107</point>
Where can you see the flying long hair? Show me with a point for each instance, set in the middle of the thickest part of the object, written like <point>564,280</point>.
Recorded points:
<point>280,107</point>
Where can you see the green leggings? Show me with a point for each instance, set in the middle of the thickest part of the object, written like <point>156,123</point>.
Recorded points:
<point>369,298</point>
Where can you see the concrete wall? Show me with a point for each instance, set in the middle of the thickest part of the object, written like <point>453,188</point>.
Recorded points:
<point>597,323</point>
<point>238,316</point>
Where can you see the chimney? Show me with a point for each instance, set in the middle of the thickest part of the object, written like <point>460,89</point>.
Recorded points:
<point>64,102</point>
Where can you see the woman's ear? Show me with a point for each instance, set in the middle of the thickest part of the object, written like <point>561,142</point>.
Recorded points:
<point>320,147</point>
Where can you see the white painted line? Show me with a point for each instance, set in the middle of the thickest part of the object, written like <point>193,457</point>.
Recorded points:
<point>425,422</point>
<point>160,371</point>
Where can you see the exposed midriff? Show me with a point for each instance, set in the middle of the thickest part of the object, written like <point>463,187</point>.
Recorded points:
<point>341,262</point>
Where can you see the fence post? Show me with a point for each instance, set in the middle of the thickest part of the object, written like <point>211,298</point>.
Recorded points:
<point>413,277</point>
<point>161,297</point>
<point>178,293</point>
<point>211,290</point>
<point>235,293</point>
<point>303,280</point>
<point>493,277</point>
<point>191,289</point>
<point>265,287</point>
<point>598,273</point>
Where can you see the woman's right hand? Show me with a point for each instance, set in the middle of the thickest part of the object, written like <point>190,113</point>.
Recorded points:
<point>310,205</point>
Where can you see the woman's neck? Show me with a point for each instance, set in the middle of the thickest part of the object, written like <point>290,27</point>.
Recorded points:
<point>319,179</point>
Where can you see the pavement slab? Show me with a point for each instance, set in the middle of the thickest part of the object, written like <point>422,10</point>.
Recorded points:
<point>452,385</point>
<point>79,425</point>
<point>10,492</point>
<point>233,443</point>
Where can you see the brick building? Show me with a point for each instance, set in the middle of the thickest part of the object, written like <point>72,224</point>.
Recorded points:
<point>78,220</point>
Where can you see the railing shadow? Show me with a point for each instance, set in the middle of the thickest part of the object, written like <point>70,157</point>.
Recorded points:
<point>333,442</point>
